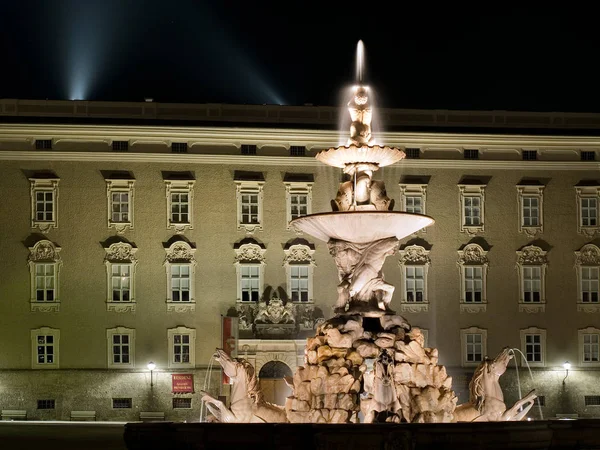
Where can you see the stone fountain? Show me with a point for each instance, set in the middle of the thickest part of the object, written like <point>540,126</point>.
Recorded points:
<point>367,360</point>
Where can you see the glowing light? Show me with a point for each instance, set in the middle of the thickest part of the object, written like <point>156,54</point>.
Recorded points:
<point>567,365</point>
<point>151,366</point>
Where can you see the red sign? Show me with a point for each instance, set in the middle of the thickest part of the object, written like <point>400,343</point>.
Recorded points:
<point>229,338</point>
<point>183,383</point>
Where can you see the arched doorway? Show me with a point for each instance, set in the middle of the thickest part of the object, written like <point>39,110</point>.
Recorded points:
<point>271,382</point>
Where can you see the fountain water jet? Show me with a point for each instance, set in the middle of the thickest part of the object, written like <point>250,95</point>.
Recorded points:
<point>513,350</point>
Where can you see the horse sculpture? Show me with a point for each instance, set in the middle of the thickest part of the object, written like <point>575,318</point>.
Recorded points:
<point>247,403</point>
<point>486,400</point>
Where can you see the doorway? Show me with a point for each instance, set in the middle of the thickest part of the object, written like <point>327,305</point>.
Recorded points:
<point>272,384</point>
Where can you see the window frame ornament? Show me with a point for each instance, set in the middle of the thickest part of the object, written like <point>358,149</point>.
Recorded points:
<point>463,345</point>
<point>414,190</point>
<point>414,256</point>
<point>542,333</point>
<point>297,188</point>
<point>44,252</point>
<point>299,255</point>
<point>180,187</point>
<point>46,331</point>
<point>113,186</point>
<point>171,332</point>
<point>44,185</point>
<point>532,256</point>
<point>110,332</point>
<point>181,253</point>
<point>472,190</point>
<point>587,192</point>
<point>586,256</point>
<point>581,333</point>
<point>253,254</point>
<point>252,187</point>
<point>120,253</point>
<point>535,191</point>
<point>473,255</point>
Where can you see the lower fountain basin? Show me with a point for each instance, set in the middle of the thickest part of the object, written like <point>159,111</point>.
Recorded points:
<point>361,227</point>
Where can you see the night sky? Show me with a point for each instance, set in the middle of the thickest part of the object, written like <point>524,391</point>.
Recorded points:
<point>293,53</point>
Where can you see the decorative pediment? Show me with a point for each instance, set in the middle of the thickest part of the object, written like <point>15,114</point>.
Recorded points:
<point>275,312</point>
<point>532,254</point>
<point>250,253</point>
<point>120,252</point>
<point>472,254</point>
<point>414,255</point>
<point>588,255</point>
<point>44,251</point>
<point>180,251</point>
<point>299,253</point>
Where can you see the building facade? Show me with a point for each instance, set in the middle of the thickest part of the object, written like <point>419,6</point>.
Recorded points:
<point>130,231</point>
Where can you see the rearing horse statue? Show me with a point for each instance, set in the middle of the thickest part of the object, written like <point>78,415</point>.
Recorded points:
<point>486,400</point>
<point>247,403</point>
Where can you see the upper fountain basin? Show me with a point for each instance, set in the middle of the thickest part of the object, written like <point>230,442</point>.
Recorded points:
<point>352,154</point>
<point>361,227</point>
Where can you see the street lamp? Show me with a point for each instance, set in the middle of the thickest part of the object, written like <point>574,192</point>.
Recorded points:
<point>151,367</point>
<point>566,366</point>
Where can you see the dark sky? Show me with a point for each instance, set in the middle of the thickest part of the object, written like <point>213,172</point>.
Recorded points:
<point>301,52</point>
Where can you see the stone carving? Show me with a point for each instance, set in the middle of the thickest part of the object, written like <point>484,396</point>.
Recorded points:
<point>363,193</point>
<point>120,252</point>
<point>472,254</point>
<point>589,255</point>
<point>299,253</point>
<point>44,251</point>
<point>308,317</point>
<point>532,254</point>
<point>247,403</point>
<point>361,115</point>
<point>275,311</point>
<point>486,400</point>
<point>250,252</point>
<point>414,255</point>
<point>361,286</point>
<point>380,389</point>
<point>180,251</point>
<point>245,314</point>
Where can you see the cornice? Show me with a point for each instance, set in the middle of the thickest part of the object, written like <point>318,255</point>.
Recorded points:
<point>244,160</point>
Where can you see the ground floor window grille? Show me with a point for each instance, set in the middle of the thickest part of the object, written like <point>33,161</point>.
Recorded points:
<point>121,403</point>
<point>46,404</point>
<point>592,400</point>
<point>182,403</point>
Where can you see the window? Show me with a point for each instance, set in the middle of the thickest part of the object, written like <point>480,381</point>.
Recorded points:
<point>589,347</point>
<point>180,264</point>
<point>298,196</point>
<point>44,203</point>
<point>588,156</point>
<point>248,149</point>
<point>121,262</point>
<point>531,266</point>
<point>120,348</point>
<point>471,198</point>
<point>299,265</point>
<point>592,400</point>
<point>529,155</point>
<point>43,144</point>
<point>249,201</point>
<point>249,263</point>
<point>587,210</point>
<point>414,266</point>
<point>46,404</point>
<point>471,154</point>
<point>587,265</point>
<point>180,196</point>
<point>182,347</point>
<point>179,147</point>
<point>182,403</point>
<point>297,150</point>
<point>412,153</point>
<point>533,346</point>
<point>473,265</point>
<point>44,267</point>
<point>530,199</point>
<point>44,348</point>
<point>413,199</point>
<point>120,204</point>
<point>474,346</point>
<point>122,403</point>
<point>120,146</point>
